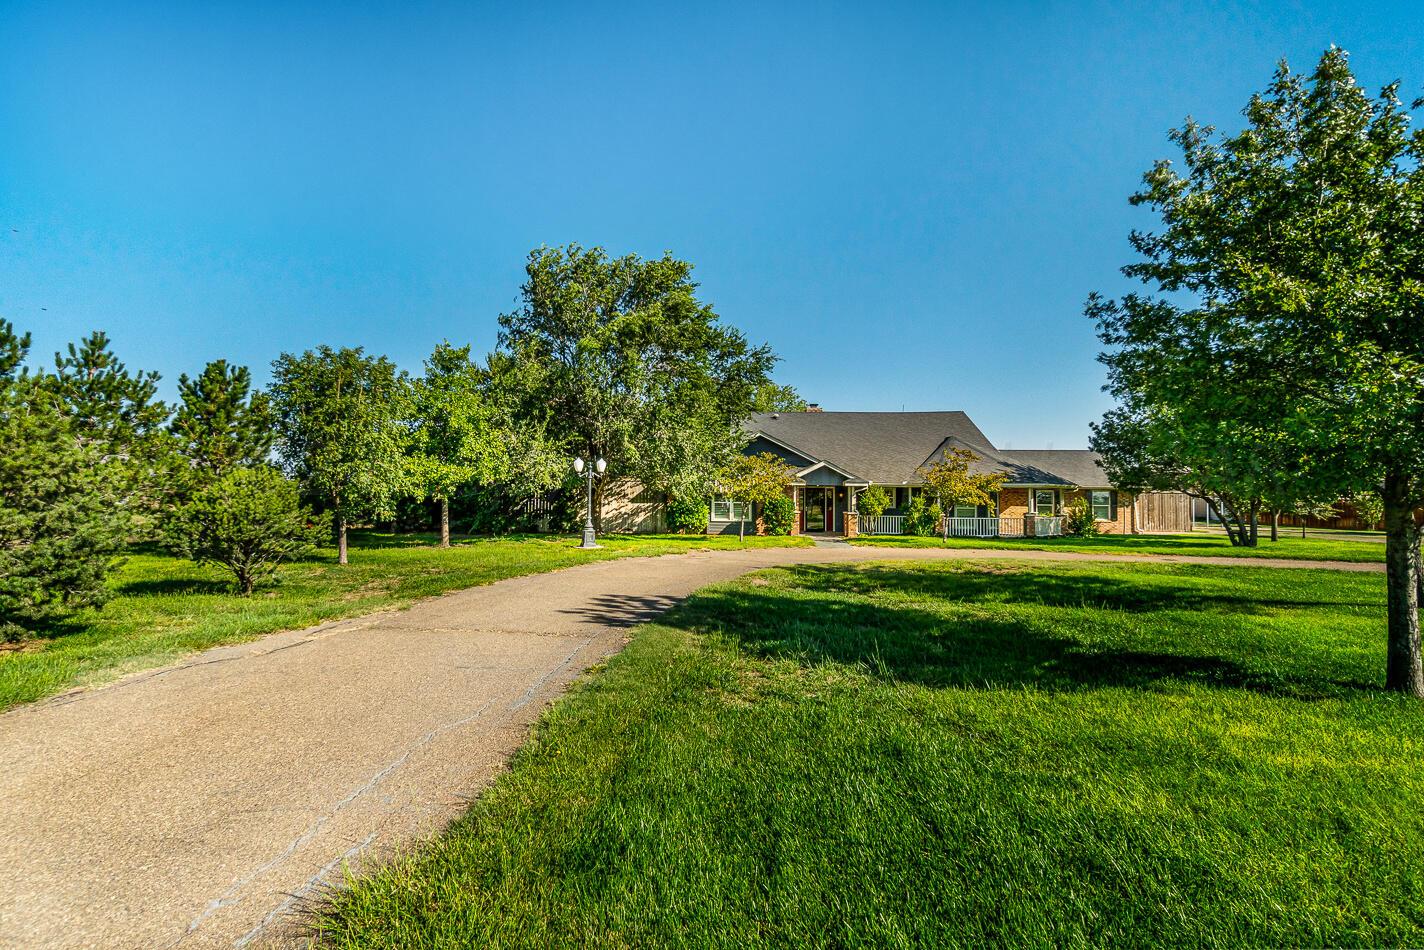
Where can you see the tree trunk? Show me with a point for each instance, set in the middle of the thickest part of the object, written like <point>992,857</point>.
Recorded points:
<point>444,522</point>
<point>1275,526</point>
<point>1255,525</point>
<point>1232,524</point>
<point>1405,670</point>
<point>340,539</point>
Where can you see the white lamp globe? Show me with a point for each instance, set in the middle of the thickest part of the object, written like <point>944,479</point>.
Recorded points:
<point>578,465</point>
<point>601,466</point>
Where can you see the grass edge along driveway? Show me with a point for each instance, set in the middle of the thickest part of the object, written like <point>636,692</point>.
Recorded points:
<point>951,753</point>
<point>1197,545</point>
<point>165,607</point>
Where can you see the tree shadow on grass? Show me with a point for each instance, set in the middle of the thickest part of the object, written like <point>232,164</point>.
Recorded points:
<point>902,641</point>
<point>164,586</point>
<point>995,583</point>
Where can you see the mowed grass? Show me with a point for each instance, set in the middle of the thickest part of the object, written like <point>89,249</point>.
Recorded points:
<point>166,607</point>
<point>1201,544</point>
<point>954,754</point>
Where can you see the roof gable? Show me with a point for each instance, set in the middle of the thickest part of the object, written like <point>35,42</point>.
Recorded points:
<point>881,447</point>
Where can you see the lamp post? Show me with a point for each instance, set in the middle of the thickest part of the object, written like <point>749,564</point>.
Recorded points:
<point>589,472</point>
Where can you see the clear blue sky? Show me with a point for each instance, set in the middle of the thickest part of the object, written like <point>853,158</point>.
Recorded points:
<point>908,201</point>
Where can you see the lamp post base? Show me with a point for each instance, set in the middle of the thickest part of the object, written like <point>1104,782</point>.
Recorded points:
<point>588,540</point>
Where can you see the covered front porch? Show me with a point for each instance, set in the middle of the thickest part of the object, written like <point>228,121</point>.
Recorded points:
<point>824,496</point>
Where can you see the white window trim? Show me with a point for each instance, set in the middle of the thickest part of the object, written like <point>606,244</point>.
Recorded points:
<point>1107,504</point>
<point>1033,500</point>
<point>731,510</point>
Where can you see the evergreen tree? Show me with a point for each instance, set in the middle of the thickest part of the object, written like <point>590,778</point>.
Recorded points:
<point>341,431</point>
<point>108,406</point>
<point>221,422</point>
<point>58,533</point>
<point>248,521</point>
<point>116,413</point>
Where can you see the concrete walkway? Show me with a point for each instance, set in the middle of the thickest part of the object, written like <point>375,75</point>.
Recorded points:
<point>201,803</point>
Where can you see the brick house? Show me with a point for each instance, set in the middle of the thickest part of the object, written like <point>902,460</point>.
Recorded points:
<point>836,455</point>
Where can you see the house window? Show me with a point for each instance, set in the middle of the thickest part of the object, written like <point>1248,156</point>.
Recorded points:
<point>1045,501</point>
<point>725,509</point>
<point>966,511</point>
<point>1102,504</point>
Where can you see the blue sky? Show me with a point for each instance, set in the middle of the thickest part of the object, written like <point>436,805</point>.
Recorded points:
<point>910,202</point>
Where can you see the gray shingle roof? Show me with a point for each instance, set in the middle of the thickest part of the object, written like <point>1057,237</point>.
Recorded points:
<point>888,447</point>
<point>1079,467</point>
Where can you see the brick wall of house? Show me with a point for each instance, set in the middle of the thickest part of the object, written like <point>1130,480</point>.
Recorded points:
<point>1013,502</point>
<point>795,495</point>
<point>1121,525</point>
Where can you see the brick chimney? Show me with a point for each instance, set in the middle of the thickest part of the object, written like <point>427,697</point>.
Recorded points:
<point>813,407</point>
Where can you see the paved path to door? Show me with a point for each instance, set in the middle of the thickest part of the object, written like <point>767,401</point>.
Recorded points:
<point>199,804</point>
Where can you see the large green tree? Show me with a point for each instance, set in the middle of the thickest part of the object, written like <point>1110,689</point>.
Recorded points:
<point>341,430</point>
<point>59,532</point>
<point>1182,448</point>
<point>457,433</point>
<point>221,422</point>
<point>618,358</point>
<point>1286,301</point>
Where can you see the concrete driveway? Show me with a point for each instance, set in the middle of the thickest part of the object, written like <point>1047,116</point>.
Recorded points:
<point>201,803</point>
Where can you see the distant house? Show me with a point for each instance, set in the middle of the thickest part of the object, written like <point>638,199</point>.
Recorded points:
<point>833,456</point>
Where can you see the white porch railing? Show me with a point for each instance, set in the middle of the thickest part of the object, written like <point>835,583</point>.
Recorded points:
<point>882,524</point>
<point>974,527</point>
<point>1017,527</point>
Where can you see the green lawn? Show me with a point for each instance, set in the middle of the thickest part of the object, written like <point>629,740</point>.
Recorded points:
<point>1202,544</point>
<point>952,754</point>
<point>166,607</point>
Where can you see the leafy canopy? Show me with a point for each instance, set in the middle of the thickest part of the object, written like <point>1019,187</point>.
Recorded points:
<point>756,479</point>
<point>116,412</point>
<point>1278,350</point>
<point>952,481</point>
<point>872,501</point>
<point>456,436</point>
<point>618,358</point>
<point>340,428</point>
